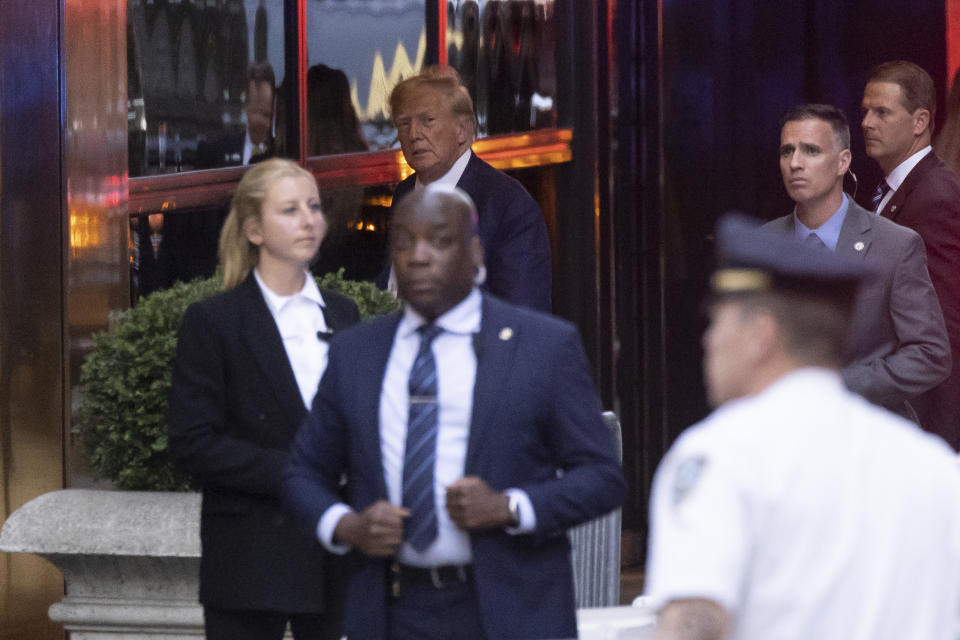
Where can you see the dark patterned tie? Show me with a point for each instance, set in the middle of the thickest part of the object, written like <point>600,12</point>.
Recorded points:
<point>878,195</point>
<point>420,454</point>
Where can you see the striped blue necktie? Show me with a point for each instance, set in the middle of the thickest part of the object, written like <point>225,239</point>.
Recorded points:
<point>420,454</point>
<point>878,195</point>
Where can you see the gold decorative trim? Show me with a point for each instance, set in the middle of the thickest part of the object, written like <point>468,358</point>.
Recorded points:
<point>731,280</point>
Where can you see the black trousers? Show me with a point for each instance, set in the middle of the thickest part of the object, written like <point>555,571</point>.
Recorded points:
<point>228,624</point>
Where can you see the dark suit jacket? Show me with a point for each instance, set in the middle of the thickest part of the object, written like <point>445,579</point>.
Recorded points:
<point>534,411</point>
<point>928,202</point>
<point>898,342</point>
<point>225,149</point>
<point>516,249</point>
<point>234,408</point>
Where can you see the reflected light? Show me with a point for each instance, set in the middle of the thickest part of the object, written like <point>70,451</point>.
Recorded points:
<point>85,227</point>
<point>382,83</point>
<point>360,225</point>
<point>385,201</point>
<point>405,169</point>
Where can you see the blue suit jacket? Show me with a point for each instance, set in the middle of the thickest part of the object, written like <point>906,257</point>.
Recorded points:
<point>516,248</point>
<point>535,412</point>
<point>898,342</point>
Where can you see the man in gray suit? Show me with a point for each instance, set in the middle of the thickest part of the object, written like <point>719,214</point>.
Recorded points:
<point>898,346</point>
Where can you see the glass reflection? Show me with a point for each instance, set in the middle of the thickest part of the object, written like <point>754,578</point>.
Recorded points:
<point>357,51</point>
<point>504,52</point>
<point>182,246</point>
<point>202,78</point>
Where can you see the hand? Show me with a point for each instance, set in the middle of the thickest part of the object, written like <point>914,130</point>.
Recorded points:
<point>377,531</point>
<point>472,504</point>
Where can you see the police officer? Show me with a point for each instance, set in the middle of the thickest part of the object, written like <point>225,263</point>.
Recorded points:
<point>797,509</point>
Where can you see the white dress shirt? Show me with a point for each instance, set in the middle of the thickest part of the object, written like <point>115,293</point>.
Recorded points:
<point>299,317</point>
<point>456,363</point>
<point>898,175</point>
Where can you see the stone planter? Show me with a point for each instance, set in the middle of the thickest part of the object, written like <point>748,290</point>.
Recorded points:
<point>130,560</point>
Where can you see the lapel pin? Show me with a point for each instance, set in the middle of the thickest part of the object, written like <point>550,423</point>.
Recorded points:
<point>858,246</point>
<point>506,333</point>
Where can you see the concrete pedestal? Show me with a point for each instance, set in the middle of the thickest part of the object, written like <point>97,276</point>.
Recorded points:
<point>130,560</point>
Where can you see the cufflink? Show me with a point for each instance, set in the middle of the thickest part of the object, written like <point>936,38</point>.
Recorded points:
<point>513,503</point>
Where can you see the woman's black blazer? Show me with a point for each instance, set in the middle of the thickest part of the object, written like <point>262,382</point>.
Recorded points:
<point>234,408</point>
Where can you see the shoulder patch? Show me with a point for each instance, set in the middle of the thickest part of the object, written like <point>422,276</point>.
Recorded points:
<point>686,476</point>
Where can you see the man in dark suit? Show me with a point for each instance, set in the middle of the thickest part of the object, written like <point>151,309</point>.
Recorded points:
<point>516,448</point>
<point>235,406</point>
<point>899,345</point>
<point>253,141</point>
<point>436,125</point>
<point>922,193</point>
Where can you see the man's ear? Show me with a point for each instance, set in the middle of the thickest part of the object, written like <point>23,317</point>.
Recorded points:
<point>463,131</point>
<point>765,337</point>
<point>921,120</point>
<point>476,251</point>
<point>845,158</point>
<point>251,229</point>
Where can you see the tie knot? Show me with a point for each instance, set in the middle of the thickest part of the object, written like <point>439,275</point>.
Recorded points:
<point>813,241</point>
<point>428,332</point>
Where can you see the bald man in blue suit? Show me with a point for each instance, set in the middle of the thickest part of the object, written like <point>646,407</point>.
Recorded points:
<point>521,451</point>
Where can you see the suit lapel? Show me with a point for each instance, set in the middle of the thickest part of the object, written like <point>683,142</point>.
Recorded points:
<point>892,210</point>
<point>260,334</point>
<point>496,348</point>
<point>855,237</point>
<point>333,314</point>
<point>468,180</point>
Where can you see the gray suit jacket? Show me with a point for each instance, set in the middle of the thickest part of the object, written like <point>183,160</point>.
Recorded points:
<point>898,346</point>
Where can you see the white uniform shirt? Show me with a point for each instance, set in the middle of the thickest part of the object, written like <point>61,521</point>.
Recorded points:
<point>808,513</point>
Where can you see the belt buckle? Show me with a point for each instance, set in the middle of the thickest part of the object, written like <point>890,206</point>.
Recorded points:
<point>438,582</point>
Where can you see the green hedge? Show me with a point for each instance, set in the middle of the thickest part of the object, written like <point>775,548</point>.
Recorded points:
<point>125,381</point>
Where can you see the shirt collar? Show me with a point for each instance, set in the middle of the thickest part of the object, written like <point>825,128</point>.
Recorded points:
<point>462,319</point>
<point>276,302</point>
<point>829,231</point>
<point>898,175</point>
<point>451,177</point>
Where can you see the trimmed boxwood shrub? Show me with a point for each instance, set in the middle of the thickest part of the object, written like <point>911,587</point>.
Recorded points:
<point>125,381</point>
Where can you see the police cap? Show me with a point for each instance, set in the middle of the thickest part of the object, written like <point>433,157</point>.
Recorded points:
<point>755,259</point>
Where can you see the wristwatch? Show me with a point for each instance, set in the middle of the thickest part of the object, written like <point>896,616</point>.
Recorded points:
<point>513,503</point>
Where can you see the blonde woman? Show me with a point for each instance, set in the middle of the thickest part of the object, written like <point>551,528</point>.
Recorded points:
<point>248,363</point>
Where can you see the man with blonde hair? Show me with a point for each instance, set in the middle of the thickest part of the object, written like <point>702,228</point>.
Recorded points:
<point>436,125</point>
